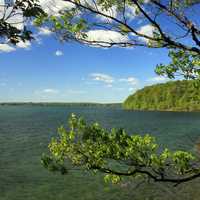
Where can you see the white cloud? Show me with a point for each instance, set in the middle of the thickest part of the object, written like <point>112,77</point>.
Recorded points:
<point>24,45</point>
<point>50,91</point>
<point>6,48</point>
<point>102,78</point>
<point>130,80</point>
<point>146,30</point>
<point>59,53</point>
<point>129,83</point>
<point>9,48</point>
<point>15,19</point>
<point>158,79</point>
<point>44,31</point>
<point>47,91</point>
<point>52,7</point>
<point>105,36</point>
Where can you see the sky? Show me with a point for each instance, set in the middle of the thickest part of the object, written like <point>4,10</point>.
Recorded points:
<point>47,70</point>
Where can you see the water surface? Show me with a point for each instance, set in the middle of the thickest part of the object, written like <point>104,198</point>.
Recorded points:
<point>25,132</point>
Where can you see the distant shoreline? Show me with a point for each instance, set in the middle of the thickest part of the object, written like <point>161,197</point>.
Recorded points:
<point>100,105</point>
<point>59,104</point>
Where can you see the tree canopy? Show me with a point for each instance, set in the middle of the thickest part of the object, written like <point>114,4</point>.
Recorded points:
<point>173,25</point>
<point>14,17</point>
<point>172,96</point>
<point>117,155</point>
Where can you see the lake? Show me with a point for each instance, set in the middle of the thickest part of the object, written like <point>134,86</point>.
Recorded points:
<point>25,132</point>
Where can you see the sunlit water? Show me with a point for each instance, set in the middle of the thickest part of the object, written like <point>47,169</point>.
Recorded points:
<point>25,132</point>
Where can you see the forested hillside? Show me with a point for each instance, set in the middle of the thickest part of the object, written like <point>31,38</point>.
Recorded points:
<point>170,96</point>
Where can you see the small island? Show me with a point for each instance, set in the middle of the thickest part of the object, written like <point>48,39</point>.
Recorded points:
<point>171,96</point>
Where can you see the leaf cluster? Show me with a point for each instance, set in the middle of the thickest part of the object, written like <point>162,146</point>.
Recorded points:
<point>26,10</point>
<point>115,154</point>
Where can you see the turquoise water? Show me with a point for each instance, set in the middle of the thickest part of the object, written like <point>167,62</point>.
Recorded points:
<point>25,132</point>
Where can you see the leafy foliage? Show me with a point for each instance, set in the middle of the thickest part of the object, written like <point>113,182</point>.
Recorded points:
<point>116,154</point>
<point>183,63</point>
<point>14,17</point>
<point>171,96</point>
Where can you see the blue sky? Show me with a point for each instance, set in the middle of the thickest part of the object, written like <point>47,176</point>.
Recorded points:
<point>64,72</point>
<point>49,71</point>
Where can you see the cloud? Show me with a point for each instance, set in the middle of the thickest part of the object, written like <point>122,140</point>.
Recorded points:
<point>6,48</point>
<point>44,31</point>
<point>24,45</point>
<point>59,53</point>
<point>50,91</point>
<point>105,78</point>
<point>47,91</point>
<point>129,83</point>
<point>15,19</point>
<point>52,7</point>
<point>146,30</point>
<point>158,79</point>
<point>9,48</point>
<point>105,36</point>
<point>130,80</point>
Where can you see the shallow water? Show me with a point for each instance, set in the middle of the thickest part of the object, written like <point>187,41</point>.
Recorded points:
<point>25,132</point>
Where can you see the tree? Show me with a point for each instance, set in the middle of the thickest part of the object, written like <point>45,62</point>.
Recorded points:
<point>14,16</point>
<point>171,96</point>
<point>171,24</point>
<point>117,155</point>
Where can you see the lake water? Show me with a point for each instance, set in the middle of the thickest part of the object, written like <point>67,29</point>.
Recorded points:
<point>25,132</point>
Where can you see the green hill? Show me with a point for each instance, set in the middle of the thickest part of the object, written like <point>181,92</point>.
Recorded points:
<point>170,96</point>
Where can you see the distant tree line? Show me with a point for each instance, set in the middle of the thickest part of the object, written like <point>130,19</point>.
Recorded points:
<point>172,96</point>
